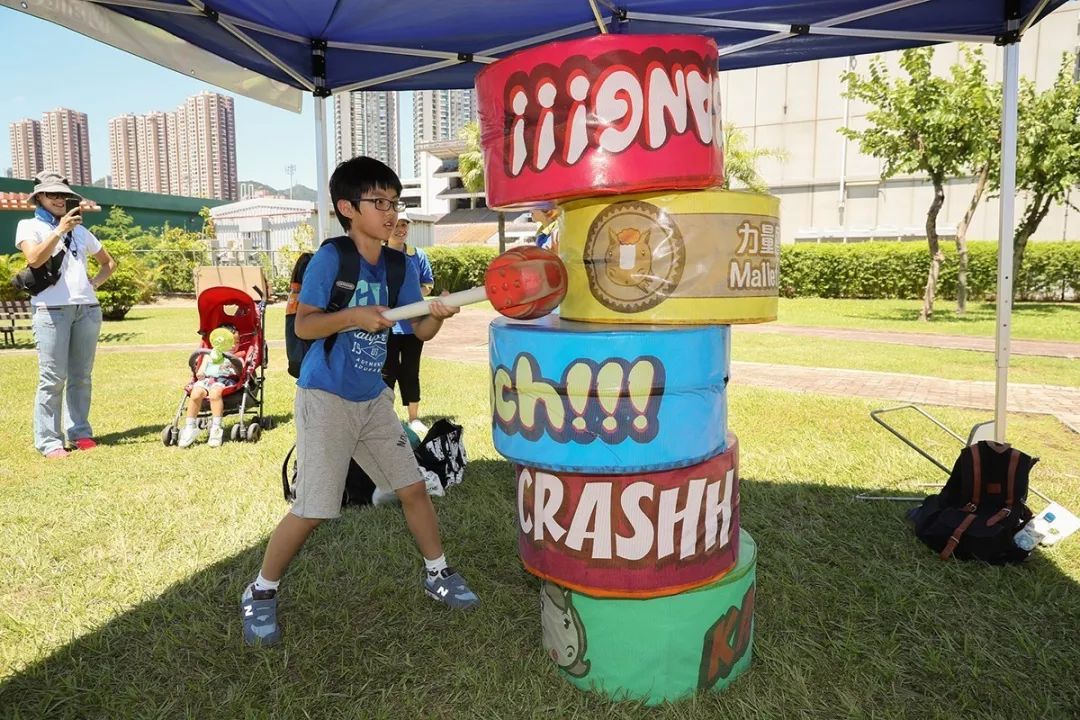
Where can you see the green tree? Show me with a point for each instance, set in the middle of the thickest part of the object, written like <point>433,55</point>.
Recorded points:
<point>979,127</point>
<point>209,230</point>
<point>132,283</point>
<point>174,257</point>
<point>117,226</point>
<point>741,160</point>
<point>471,167</point>
<point>1048,152</point>
<point>471,162</point>
<point>919,125</point>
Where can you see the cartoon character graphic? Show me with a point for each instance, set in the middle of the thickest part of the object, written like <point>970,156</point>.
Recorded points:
<point>564,635</point>
<point>628,260</point>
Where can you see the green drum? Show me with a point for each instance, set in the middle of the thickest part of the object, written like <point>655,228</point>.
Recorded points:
<point>656,650</point>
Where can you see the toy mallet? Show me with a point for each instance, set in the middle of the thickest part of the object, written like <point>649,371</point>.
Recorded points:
<point>523,283</point>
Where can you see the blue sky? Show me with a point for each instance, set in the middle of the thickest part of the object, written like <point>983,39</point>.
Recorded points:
<point>45,66</point>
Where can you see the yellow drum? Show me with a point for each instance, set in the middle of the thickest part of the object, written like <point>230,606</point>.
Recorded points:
<point>708,256</point>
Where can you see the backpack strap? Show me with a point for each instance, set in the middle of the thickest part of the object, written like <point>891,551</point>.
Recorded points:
<point>975,493</point>
<point>1014,463</point>
<point>395,274</point>
<point>345,283</point>
<point>290,495</point>
<point>954,539</point>
<point>1010,490</point>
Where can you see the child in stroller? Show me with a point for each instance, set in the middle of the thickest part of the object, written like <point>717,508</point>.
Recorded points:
<point>217,371</point>
<point>228,370</point>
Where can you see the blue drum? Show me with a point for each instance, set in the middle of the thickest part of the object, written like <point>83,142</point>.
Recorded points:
<point>595,398</point>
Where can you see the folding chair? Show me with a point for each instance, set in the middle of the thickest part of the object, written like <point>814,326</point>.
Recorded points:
<point>979,431</point>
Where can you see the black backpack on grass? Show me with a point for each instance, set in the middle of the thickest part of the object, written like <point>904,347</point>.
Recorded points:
<point>440,456</point>
<point>982,506</point>
<point>344,286</point>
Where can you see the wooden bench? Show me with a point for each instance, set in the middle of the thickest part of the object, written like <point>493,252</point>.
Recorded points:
<point>15,315</point>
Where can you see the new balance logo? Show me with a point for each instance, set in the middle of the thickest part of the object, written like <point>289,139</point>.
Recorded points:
<point>249,611</point>
<point>443,592</point>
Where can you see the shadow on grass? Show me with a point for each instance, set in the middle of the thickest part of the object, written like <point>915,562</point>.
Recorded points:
<point>152,433</point>
<point>21,342</point>
<point>853,614</point>
<point>117,337</point>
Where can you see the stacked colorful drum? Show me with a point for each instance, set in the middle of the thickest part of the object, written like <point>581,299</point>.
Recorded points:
<point>615,410</point>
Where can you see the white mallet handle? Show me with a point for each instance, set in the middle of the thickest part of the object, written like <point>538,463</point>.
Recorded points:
<point>420,309</point>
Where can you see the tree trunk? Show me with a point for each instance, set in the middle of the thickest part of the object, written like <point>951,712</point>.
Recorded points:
<point>1034,213</point>
<point>935,249</point>
<point>961,240</point>
<point>502,232</point>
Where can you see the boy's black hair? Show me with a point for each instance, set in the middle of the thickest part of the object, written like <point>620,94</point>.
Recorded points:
<point>352,178</point>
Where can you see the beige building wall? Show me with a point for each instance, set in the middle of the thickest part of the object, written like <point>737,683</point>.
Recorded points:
<point>799,108</point>
<point>124,152</point>
<point>66,145</point>
<point>26,151</point>
<point>153,153</point>
<point>206,150</point>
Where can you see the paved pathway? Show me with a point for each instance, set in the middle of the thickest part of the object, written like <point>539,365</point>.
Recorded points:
<point>1045,348</point>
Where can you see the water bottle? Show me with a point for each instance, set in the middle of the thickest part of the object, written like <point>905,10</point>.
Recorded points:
<point>1032,533</point>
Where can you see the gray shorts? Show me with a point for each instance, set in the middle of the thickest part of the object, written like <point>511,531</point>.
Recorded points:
<point>329,431</point>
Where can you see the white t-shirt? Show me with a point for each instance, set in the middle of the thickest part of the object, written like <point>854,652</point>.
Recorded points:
<point>73,287</point>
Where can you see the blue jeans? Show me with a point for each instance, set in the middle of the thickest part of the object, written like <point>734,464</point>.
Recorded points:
<point>66,338</point>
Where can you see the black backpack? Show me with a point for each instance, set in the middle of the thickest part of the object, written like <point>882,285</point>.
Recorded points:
<point>981,507</point>
<point>359,487</point>
<point>440,456</point>
<point>342,292</point>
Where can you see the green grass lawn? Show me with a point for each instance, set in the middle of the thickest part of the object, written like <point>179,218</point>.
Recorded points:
<point>120,571</point>
<point>1030,321</point>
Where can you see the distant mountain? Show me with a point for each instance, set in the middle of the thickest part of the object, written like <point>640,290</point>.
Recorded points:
<point>299,192</point>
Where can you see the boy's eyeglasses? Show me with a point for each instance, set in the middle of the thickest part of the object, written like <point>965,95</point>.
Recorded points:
<point>56,195</point>
<point>384,204</point>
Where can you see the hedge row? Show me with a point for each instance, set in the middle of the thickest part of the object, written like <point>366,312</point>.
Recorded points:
<point>866,270</point>
<point>459,268</point>
<point>1051,271</point>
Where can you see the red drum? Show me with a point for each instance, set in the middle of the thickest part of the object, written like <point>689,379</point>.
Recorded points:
<point>639,535</point>
<point>605,115</point>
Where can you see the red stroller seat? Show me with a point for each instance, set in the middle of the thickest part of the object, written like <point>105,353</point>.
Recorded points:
<point>224,305</point>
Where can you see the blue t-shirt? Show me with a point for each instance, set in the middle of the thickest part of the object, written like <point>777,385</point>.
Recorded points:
<point>415,256</point>
<point>353,369</point>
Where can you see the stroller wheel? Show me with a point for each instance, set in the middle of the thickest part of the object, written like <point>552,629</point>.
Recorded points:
<point>234,434</point>
<point>267,423</point>
<point>203,423</point>
<point>254,432</point>
<point>169,435</point>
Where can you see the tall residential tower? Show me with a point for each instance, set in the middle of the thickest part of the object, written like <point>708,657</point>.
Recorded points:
<point>26,155</point>
<point>366,123</point>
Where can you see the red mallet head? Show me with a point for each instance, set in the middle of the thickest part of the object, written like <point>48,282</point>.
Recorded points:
<point>526,282</point>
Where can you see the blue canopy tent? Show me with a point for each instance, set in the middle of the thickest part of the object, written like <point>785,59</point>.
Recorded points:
<point>275,50</point>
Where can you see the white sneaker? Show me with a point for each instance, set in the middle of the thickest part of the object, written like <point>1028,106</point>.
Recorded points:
<point>217,434</point>
<point>188,433</point>
<point>381,497</point>
<point>419,428</point>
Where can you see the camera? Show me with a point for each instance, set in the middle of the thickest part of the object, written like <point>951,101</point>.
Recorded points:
<point>71,203</point>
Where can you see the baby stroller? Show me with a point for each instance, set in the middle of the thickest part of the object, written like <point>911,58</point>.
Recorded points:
<point>223,305</point>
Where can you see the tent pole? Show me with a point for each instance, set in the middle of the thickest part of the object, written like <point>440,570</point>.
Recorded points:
<point>1006,225</point>
<point>322,179</point>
